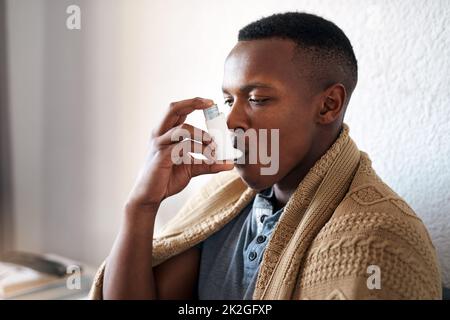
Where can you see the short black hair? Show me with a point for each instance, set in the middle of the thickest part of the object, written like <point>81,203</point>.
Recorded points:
<point>330,49</point>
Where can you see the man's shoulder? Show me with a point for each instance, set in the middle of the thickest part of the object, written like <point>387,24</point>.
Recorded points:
<point>373,225</point>
<point>369,195</point>
<point>371,209</point>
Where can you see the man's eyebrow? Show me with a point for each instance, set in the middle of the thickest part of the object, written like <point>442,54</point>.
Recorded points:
<point>250,86</point>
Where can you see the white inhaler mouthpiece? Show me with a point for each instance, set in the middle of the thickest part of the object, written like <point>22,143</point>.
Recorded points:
<point>218,130</point>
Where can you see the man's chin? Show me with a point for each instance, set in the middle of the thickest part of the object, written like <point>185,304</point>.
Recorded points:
<point>252,177</point>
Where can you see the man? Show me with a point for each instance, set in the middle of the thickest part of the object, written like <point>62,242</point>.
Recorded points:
<point>324,226</point>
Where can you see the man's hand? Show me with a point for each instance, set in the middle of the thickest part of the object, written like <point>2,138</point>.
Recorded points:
<point>161,177</point>
<point>129,268</point>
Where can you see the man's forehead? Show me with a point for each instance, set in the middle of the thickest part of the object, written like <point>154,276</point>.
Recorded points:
<point>262,62</point>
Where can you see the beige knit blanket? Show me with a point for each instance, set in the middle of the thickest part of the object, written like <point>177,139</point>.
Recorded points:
<point>344,234</point>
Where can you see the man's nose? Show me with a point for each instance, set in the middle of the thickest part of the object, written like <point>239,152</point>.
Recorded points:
<point>238,118</point>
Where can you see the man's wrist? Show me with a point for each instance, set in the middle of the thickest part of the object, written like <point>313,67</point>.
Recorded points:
<point>132,208</point>
<point>140,218</point>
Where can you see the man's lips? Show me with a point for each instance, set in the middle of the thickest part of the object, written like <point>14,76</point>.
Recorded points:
<point>244,152</point>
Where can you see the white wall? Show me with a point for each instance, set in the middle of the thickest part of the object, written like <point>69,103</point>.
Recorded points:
<point>85,101</point>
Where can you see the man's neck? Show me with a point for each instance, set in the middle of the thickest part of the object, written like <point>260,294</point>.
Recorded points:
<point>284,188</point>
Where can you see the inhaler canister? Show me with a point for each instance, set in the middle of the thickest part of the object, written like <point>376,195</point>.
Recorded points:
<point>218,130</point>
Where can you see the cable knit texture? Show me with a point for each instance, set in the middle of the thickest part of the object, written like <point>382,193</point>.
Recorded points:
<point>341,220</point>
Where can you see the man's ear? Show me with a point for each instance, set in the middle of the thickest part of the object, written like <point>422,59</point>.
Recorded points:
<point>332,104</point>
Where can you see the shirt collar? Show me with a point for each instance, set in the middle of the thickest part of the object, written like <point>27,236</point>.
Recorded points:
<point>265,199</point>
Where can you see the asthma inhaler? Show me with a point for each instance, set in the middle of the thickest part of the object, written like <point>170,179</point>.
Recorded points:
<point>218,130</point>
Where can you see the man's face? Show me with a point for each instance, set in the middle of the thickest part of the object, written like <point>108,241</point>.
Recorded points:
<point>265,89</point>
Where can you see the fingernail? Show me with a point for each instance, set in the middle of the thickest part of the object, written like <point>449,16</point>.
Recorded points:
<point>208,101</point>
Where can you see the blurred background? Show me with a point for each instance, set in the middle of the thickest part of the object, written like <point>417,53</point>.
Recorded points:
<point>77,106</point>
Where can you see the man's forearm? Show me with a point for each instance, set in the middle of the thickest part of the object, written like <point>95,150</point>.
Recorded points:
<point>129,272</point>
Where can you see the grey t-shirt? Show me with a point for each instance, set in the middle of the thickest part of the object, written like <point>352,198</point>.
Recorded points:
<point>231,257</point>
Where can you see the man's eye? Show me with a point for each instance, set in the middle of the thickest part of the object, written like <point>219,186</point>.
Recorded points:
<point>228,102</point>
<point>258,101</point>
